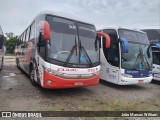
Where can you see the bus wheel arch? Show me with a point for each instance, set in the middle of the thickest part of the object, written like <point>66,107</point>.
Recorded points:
<point>32,73</point>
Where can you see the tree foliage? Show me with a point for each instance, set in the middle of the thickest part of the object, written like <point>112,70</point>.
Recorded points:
<point>10,42</point>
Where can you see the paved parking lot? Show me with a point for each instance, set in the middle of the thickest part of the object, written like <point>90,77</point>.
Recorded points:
<point>17,93</point>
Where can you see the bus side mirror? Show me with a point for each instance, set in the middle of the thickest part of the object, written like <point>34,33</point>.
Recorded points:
<point>158,45</point>
<point>46,31</point>
<point>106,36</point>
<point>124,43</point>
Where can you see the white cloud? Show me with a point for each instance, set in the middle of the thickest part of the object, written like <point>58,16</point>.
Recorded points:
<point>16,15</point>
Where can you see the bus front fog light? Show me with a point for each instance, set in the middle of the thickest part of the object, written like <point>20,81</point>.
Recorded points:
<point>49,82</point>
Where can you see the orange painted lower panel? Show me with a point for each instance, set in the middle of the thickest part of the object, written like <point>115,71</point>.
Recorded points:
<point>58,82</point>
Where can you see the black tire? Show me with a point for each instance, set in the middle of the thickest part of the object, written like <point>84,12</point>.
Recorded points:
<point>31,74</point>
<point>1,64</point>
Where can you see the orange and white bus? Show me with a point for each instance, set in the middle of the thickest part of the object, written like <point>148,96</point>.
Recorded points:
<point>2,48</point>
<point>60,51</point>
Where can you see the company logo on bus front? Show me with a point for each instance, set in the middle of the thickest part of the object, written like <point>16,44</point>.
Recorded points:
<point>69,69</point>
<point>81,66</point>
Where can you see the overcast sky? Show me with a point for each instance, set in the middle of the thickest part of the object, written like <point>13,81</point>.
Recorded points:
<point>16,15</point>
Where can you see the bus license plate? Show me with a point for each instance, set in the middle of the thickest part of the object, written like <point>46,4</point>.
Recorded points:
<point>140,81</point>
<point>78,83</point>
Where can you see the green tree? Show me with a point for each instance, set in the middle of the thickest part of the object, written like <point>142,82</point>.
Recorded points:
<point>10,42</point>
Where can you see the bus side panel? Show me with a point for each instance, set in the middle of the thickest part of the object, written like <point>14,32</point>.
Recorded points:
<point>38,60</point>
<point>156,72</point>
<point>21,58</point>
<point>108,72</point>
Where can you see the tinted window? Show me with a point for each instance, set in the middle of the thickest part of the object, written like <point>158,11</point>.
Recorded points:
<point>1,38</point>
<point>27,34</point>
<point>153,34</point>
<point>112,53</point>
<point>24,36</point>
<point>1,41</point>
<point>32,31</point>
<point>112,34</point>
<point>63,38</point>
<point>59,25</point>
<point>134,36</point>
<point>66,36</point>
<point>85,30</point>
<point>87,35</point>
<point>21,39</point>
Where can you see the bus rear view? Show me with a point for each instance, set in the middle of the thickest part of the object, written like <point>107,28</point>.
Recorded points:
<point>129,58</point>
<point>64,52</point>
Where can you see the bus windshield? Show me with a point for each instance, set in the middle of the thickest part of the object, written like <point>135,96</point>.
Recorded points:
<point>154,37</point>
<point>156,55</point>
<point>139,56</point>
<point>72,42</point>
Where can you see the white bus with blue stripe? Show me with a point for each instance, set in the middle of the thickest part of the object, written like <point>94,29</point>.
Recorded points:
<point>154,37</point>
<point>128,60</point>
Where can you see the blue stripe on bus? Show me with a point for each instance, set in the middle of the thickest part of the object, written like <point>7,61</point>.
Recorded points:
<point>138,73</point>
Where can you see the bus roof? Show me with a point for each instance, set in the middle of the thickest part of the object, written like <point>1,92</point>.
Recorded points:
<point>116,28</point>
<point>60,14</point>
<point>152,33</point>
<point>65,15</point>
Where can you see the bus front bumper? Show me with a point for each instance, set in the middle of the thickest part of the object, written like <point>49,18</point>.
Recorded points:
<point>131,81</point>
<point>156,78</point>
<point>55,82</point>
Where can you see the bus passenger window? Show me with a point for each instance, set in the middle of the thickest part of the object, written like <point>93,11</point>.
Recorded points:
<point>112,53</point>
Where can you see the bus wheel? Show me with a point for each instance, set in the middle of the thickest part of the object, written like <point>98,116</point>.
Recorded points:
<point>32,75</point>
<point>1,65</point>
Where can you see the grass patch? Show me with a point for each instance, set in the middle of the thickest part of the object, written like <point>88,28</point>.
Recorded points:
<point>55,108</point>
<point>119,105</point>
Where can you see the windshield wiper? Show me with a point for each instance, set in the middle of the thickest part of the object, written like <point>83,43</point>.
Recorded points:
<point>145,59</point>
<point>86,56</point>
<point>142,58</point>
<point>81,48</point>
<point>85,53</point>
<point>71,53</point>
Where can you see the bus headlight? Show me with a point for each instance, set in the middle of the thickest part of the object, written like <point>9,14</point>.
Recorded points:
<point>48,70</point>
<point>96,73</point>
<point>127,75</point>
<point>51,71</point>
